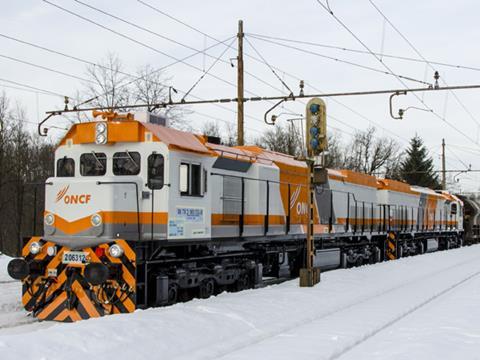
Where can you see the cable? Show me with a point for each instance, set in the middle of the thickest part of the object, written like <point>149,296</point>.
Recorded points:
<point>45,68</point>
<point>424,59</point>
<point>380,54</point>
<point>90,63</point>
<point>34,88</point>
<point>165,38</point>
<point>388,68</point>
<point>269,66</point>
<point>206,72</point>
<point>354,111</point>
<point>138,42</point>
<point>278,69</point>
<point>365,67</point>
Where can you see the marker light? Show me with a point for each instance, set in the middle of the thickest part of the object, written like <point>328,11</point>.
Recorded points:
<point>115,251</point>
<point>101,127</point>
<point>101,133</point>
<point>101,139</point>
<point>35,248</point>
<point>49,219</point>
<point>96,220</point>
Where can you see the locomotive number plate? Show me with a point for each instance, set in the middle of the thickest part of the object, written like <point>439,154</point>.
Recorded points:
<point>74,257</point>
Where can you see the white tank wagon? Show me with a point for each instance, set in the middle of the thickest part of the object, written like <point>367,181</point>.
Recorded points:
<point>139,214</point>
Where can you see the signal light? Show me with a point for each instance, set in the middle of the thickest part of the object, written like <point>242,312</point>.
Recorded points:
<point>316,115</point>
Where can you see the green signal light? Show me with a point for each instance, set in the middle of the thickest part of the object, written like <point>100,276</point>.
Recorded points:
<point>314,108</point>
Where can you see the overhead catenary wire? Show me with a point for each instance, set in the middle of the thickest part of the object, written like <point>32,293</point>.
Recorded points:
<point>151,32</point>
<point>359,51</point>
<point>390,70</point>
<point>91,63</point>
<point>141,43</point>
<point>347,62</point>
<point>126,36</point>
<point>33,88</point>
<point>424,59</point>
<point>349,108</point>
<point>206,72</point>
<point>269,66</point>
<point>159,11</point>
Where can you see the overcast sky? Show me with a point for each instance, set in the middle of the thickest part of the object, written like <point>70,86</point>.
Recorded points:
<point>442,31</point>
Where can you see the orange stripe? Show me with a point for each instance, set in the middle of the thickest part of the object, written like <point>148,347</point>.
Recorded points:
<point>250,219</point>
<point>52,306</point>
<point>85,300</point>
<point>62,316</point>
<point>109,217</point>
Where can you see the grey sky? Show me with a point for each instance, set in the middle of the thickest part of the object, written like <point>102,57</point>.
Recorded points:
<point>442,31</point>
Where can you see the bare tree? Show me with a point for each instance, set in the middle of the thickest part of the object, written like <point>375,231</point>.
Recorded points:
<point>281,139</point>
<point>152,87</point>
<point>370,154</point>
<point>335,156</point>
<point>108,85</point>
<point>211,128</point>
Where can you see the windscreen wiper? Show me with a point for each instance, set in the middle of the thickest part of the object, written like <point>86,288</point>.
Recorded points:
<point>97,160</point>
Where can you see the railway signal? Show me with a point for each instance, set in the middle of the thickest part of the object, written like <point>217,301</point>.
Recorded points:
<point>316,120</point>
<point>316,144</point>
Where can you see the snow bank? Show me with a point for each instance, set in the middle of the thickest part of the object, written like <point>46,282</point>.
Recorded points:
<point>350,313</point>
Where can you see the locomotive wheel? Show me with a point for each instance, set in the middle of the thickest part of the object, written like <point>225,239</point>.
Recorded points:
<point>242,283</point>
<point>172,294</point>
<point>359,261</point>
<point>206,288</point>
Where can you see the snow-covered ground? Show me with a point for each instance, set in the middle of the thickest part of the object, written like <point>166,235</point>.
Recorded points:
<point>424,307</point>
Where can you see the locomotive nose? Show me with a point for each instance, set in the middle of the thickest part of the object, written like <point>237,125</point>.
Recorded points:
<point>18,269</point>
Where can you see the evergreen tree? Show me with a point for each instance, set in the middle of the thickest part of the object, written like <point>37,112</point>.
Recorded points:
<point>417,168</point>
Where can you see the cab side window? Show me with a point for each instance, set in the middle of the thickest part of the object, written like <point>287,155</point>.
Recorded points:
<point>190,179</point>
<point>155,171</point>
<point>65,167</point>
<point>126,163</point>
<point>93,164</point>
<point>453,209</point>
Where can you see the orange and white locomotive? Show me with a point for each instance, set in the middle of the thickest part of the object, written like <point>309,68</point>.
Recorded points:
<point>139,214</point>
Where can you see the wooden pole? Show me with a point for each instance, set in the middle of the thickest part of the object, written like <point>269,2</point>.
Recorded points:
<point>240,95</point>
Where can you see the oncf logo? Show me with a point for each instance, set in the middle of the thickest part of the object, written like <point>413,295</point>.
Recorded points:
<point>71,199</point>
<point>300,206</point>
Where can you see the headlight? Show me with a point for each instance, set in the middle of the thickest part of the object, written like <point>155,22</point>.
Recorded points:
<point>49,219</point>
<point>96,220</point>
<point>101,127</point>
<point>101,139</point>
<point>35,248</point>
<point>115,251</point>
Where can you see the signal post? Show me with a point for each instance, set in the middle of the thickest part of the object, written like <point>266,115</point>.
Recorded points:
<point>316,145</point>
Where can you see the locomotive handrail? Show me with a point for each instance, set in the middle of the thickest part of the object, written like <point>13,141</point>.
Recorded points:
<point>136,194</point>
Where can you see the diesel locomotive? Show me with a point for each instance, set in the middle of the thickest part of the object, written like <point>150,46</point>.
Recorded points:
<point>139,214</point>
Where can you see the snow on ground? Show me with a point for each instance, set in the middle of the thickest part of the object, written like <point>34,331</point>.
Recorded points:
<point>423,307</point>
<point>11,310</point>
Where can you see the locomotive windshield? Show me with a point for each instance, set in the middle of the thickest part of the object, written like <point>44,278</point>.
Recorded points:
<point>93,164</point>
<point>126,163</point>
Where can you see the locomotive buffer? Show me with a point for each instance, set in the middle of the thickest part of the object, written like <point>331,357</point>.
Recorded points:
<point>316,145</point>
